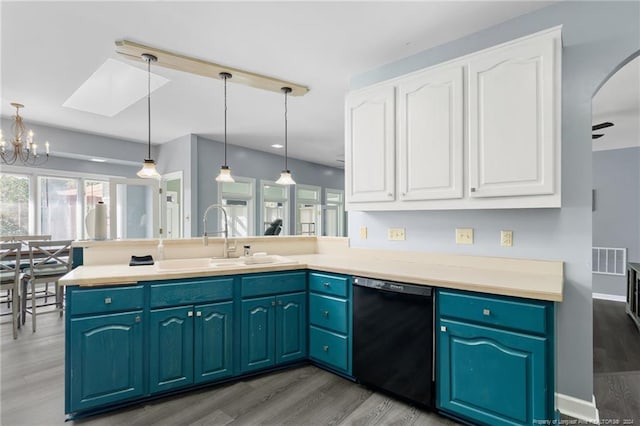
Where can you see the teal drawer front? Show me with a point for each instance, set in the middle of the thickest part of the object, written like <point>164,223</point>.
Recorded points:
<point>328,348</point>
<point>328,312</point>
<point>328,284</point>
<point>104,300</point>
<point>514,314</point>
<point>266,284</point>
<point>191,291</point>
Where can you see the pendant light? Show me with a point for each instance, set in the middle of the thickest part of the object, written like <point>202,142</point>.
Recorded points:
<point>148,170</point>
<point>225,171</point>
<point>285,176</point>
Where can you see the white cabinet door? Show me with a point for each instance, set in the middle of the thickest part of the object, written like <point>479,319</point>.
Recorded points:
<point>431,135</point>
<point>512,119</point>
<point>370,145</point>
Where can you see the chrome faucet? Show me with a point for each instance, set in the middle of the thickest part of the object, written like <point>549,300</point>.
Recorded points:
<point>205,238</point>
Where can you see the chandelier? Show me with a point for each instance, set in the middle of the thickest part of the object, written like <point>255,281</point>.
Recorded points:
<point>25,151</point>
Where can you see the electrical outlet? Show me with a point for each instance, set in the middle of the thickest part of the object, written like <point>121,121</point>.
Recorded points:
<point>396,234</point>
<point>506,238</point>
<point>363,232</point>
<point>464,235</point>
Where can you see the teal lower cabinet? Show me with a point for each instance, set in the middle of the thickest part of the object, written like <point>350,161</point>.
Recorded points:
<point>494,358</point>
<point>104,346</point>
<point>190,344</point>
<point>330,325</point>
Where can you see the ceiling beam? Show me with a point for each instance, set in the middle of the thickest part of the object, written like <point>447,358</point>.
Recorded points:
<point>175,61</point>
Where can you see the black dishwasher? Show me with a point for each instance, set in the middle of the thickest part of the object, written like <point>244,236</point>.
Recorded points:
<point>393,338</point>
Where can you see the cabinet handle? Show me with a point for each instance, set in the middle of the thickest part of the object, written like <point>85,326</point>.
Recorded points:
<point>389,195</point>
<point>443,328</point>
<point>473,190</point>
<point>404,194</point>
<point>198,314</point>
<point>279,302</point>
<point>107,300</point>
<point>325,314</point>
<point>325,348</point>
<point>486,312</point>
<point>273,303</point>
<point>137,319</point>
<point>326,285</point>
<point>190,313</point>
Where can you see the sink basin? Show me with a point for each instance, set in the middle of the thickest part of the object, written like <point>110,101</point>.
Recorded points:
<point>213,263</point>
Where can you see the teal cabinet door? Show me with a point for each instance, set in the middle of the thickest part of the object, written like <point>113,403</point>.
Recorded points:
<point>491,376</point>
<point>105,360</point>
<point>171,348</point>
<point>258,333</point>
<point>291,327</point>
<point>213,341</point>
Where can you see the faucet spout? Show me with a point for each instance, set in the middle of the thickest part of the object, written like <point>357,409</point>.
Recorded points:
<point>225,232</point>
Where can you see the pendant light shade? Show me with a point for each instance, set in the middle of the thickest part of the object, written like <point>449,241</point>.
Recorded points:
<point>225,171</point>
<point>148,170</point>
<point>285,175</point>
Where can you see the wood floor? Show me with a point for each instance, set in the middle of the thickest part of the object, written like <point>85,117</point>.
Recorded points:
<point>616,363</point>
<point>32,393</point>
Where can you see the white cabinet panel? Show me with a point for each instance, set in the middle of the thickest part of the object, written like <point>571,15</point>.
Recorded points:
<point>431,135</point>
<point>370,146</point>
<point>512,125</point>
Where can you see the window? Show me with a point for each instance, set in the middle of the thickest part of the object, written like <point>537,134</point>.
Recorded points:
<point>308,210</point>
<point>59,211</point>
<point>94,191</point>
<point>238,200</point>
<point>275,206</point>
<point>15,196</point>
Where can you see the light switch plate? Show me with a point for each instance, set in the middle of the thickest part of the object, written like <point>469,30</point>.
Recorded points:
<point>363,232</point>
<point>506,238</point>
<point>396,234</point>
<point>464,235</point>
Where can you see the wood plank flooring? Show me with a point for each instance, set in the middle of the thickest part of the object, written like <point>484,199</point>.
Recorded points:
<point>616,363</point>
<point>32,393</point>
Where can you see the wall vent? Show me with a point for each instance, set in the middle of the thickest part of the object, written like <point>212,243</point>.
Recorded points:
<point>609,261</point>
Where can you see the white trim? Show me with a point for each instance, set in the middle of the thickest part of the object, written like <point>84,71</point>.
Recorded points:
<point>613,297</point>
<point>578,408</point>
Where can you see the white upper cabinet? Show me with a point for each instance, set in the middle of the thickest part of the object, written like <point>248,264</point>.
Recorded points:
<point>512,125</point>
<point>370,145</point>
<point>430,130</point>
<point>478,132</point>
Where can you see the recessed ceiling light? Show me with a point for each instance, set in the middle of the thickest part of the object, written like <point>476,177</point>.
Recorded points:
<point>98,160</point>
<point>277,145</point>
<point>112,88</point>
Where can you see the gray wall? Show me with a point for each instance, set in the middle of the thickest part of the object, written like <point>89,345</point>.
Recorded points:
<point>255,164</point>
<point>598,37</point>
<point>616,219</point>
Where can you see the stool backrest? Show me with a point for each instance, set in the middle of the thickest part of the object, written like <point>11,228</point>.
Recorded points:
<point>9,263</point>
<point>48,258</point>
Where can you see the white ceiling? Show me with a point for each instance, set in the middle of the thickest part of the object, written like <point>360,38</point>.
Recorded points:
<point>49,49</point>
<point>618,101</point>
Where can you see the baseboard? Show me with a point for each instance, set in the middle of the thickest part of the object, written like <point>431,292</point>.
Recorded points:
<point>612,297</point>
<point>578,408</point>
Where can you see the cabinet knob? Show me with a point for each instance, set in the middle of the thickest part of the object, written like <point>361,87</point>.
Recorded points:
<point>198,314</point>
<point>325,348</point>
<point>325,314</point>
<point>190,313</point>
<point>486,312</point>
<point>273,303</point>
<point>389,195</point>
<point>107,300</point>
<point>138,319</point>
<point>443,328</point>
<point>326,285</point>
<point>473,190</point>
<point>404,193</point>
<point>279,302</point>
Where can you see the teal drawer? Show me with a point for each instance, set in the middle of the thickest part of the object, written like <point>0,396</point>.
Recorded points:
<point>328,312</point>
<point>266,284</point>
<point>111,299</point>
<point>328,348</point>
<point>173,293</point>
<point>506,313</point>
<point>328,284</point>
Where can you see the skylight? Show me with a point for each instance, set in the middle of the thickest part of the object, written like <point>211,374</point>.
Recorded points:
<point>112,88</point>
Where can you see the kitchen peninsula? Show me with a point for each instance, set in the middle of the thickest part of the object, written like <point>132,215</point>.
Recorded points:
<point>154,331</point>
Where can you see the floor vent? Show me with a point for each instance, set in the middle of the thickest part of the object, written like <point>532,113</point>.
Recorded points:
<point>609,261</point>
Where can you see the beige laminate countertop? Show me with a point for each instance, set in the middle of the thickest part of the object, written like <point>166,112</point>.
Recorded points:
<point>492,280</point>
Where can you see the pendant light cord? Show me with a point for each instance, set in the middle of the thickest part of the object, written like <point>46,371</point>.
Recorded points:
<point>225,121</point>
<point>149,103</point>
<point>285,129</point>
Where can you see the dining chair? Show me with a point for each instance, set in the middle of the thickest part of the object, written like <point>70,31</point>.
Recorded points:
<point>48,262</point>
<point>10,278</point>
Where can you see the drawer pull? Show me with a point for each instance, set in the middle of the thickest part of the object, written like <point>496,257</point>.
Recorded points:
<point>325,314</point>
<point>325,348</point>
<point>198,314</point>
<point>273,303</point>
<point>326,285</point>
<point>443,328</point>
<point>107,300</point>
<point>138,319</point>
<point>279,302</point>
<point>190,313</point>
<point>486,312</point>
